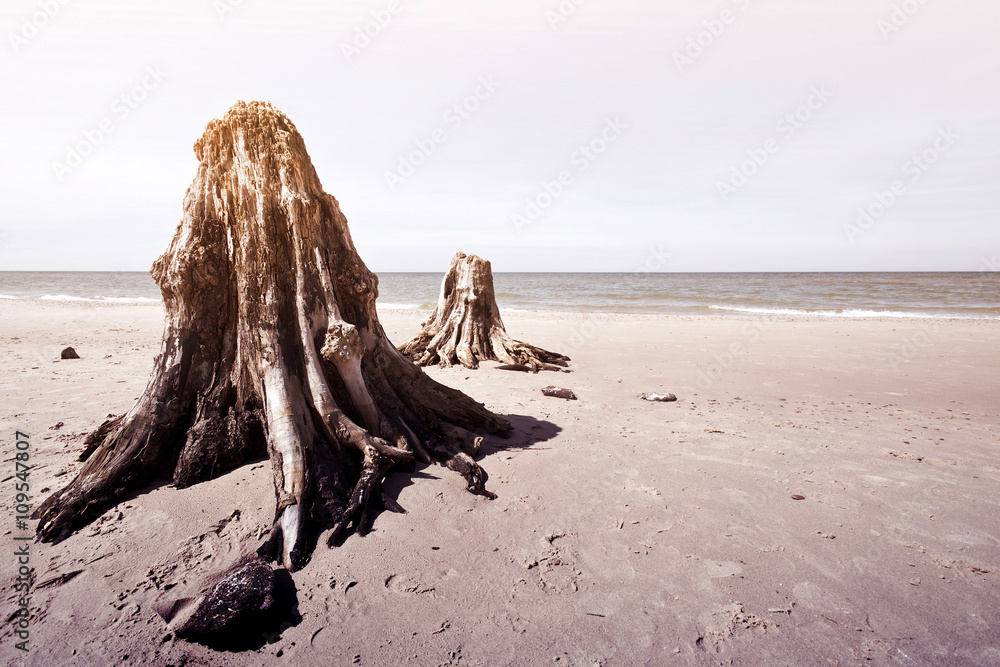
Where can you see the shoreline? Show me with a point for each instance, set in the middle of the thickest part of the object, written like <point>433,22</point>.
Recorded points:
<point>901,318</point>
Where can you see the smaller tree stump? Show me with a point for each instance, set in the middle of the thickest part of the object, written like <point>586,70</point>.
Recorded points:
<point>465,327</point>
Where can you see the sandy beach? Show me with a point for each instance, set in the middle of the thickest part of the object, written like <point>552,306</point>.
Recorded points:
<point>625,532</point>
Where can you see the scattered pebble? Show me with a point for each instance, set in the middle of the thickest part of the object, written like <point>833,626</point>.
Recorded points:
<point>69,353</point>
<point>798,497</point>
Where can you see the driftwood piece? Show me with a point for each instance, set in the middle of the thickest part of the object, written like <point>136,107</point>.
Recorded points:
<point>658,397</point>
<point>465,327</point>
<point>521,368</point>
<point>559,392</point>
<point>272,346</point>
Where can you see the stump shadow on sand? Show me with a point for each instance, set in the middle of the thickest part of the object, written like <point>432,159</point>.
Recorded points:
<point>525,432</point>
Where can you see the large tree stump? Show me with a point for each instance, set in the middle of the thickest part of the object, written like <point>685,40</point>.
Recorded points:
<point>465,327</point>
<point>272,344</point>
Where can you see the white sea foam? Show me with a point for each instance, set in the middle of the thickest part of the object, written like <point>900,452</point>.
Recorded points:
<point>63,297</point>
<point>398,306</point>
<point>851,313</point>
<point>99,299</point>
<point>127,299</point>
<point>7,296</point>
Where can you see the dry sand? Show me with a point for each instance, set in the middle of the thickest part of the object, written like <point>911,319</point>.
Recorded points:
<point>625,532</point>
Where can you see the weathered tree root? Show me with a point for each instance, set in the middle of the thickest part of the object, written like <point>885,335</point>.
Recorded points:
<point>272,345</point>
<point>95,439</point>
<point>474,476</point>
<point>466,328</point>
<point>368,488</point>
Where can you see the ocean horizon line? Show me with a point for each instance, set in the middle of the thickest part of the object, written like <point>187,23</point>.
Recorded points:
<point>918,295</point>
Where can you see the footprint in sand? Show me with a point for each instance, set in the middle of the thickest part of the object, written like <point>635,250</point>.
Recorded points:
<point>717,570</point>
<point>555,568</point>
<point>715,627</point>
<point>403,585</point>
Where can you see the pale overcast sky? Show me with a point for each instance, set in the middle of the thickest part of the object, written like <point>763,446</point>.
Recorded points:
<point>733,135</point>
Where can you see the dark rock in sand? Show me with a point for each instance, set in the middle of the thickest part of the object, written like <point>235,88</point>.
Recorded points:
<point>69,353</point>
<point>559,392</point>
<point>658,398</point>
<point>240,599</point>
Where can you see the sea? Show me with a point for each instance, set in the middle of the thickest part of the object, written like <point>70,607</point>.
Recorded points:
<point>971,295</point>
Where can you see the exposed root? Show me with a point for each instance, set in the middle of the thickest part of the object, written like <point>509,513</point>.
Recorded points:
<point>466,441</point>
<point>475,477</point>
<point>344,349</point>
<point>95,439</point>
<point>369,487</point>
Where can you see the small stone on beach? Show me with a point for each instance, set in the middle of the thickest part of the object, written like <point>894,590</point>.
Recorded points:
<point>69,353</point>
<point>798,497</point>
<point>658,398</point>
